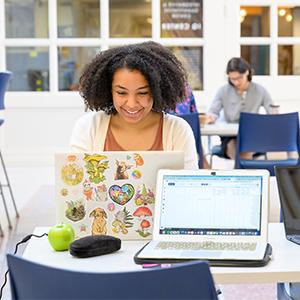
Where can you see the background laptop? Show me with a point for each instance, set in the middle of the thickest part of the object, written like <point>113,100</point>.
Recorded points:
<point>209,214</point>
<point>288,182</point>
<point>110,192</point>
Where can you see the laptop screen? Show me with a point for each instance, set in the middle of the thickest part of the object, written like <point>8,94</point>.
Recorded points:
<point>211,205</point>
<point>288,182</point>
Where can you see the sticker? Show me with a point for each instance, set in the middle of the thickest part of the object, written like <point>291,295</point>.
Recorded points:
<point>136,174</point>
<point>82,228</point>
<point>75,210</point>
<point>122,221</point>
<point>99,221</point>
<point>72,174</point>
<point>111,206</point>
<point>143,231</point>
<point>71,157</point>
<point>121,194</point>
<point>101,192</point>
<point>144,195</point>
<point>87,190</point>
<point>143,213</point>
<point>139,161</point>
<point>64,192</point>
<point>96,167</point>
<point>121,170</point>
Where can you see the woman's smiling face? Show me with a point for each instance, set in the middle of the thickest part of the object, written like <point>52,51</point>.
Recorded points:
<point>131,95</point>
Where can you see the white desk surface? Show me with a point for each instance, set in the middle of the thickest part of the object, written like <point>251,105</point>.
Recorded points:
<point>221,129</point>
<point>284,266</point>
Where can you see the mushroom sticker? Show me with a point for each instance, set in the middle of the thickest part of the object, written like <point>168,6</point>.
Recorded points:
<point>143,213</point>
<point>144,195</point>
<point>95,166</point>
<point>123,220</point>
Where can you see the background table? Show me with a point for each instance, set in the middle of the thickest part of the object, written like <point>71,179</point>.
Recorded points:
<point>284,266</point>
<point>220,129</point>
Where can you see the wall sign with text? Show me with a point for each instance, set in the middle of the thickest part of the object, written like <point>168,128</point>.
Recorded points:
<point>181,18</point>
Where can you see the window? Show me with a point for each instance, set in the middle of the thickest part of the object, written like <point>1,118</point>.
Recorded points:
<point>270,38</point>
<point>30,67</point>
<point>47,43</point>
<point>26,19</point>
<point>78,19</point>
<point>255,22</point>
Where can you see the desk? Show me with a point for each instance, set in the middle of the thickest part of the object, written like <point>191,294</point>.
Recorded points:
<point>284,267</point>
<point>220,129</point>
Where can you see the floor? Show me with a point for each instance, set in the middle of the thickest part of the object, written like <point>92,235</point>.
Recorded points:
<point>34,193</point>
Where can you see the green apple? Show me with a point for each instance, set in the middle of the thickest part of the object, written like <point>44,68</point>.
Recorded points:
<point>60,236</point>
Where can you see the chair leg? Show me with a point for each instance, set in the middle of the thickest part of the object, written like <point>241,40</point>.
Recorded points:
<point>5,207</point>
<point>9,186</point>
<point>1,231</point>
<point>211,161</point>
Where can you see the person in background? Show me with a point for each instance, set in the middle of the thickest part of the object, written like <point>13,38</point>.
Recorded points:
<point>128,88</point>
<point>188,106</point>
<point>240,94</point>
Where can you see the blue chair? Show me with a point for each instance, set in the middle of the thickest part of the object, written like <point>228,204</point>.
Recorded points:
<point>267,133</point>
<point>4,79</point>
<point>30,280</point>
<point>193,120</point>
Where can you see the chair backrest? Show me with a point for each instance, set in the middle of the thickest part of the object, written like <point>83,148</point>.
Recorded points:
<point>267,133</point>
<point>193,120</point>
<point>30,280</point>
<point>4,79</point>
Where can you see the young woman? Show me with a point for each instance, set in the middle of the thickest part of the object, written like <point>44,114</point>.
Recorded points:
<point>129,88</point>
<point>240,94</point>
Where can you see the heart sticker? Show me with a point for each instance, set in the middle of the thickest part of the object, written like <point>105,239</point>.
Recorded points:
<point>121,194</point>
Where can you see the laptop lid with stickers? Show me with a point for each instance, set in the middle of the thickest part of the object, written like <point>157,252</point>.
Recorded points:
<point>110,193</point>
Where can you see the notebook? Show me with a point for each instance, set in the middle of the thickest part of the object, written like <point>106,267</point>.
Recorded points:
<point>110,193</point>
<point>207,214</point>
<point>288,183</point>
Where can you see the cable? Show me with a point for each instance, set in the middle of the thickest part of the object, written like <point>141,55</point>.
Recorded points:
<point>24,240</point>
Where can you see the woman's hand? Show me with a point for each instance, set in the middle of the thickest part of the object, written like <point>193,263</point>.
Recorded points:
<point>210,118</point>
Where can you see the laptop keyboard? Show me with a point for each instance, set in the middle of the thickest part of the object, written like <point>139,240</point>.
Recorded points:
<point>206,246</point>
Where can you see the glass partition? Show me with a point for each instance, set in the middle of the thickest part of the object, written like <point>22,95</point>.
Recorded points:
<point>71,60</point>
<point>26,19</point>
<point>289,60</point>
<point>192,60</point>
<point>78,19</point>
<point>255,21</point>
<point>259,58</point>
<point>130,18</point>
<point>30,68</point>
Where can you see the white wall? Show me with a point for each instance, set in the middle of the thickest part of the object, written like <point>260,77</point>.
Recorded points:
<point>31,136</point>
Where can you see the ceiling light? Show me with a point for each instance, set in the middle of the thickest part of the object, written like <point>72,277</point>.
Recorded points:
<point>281,12</point>
<point>289,18</point>
<point>243,12</point>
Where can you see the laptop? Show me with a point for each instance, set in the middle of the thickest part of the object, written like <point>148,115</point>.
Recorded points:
<point>110,193</point>
<point>207,214</point>
<point>288,183</point>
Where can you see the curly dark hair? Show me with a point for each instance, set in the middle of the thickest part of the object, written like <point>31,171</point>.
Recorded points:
<point>164,73</point>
